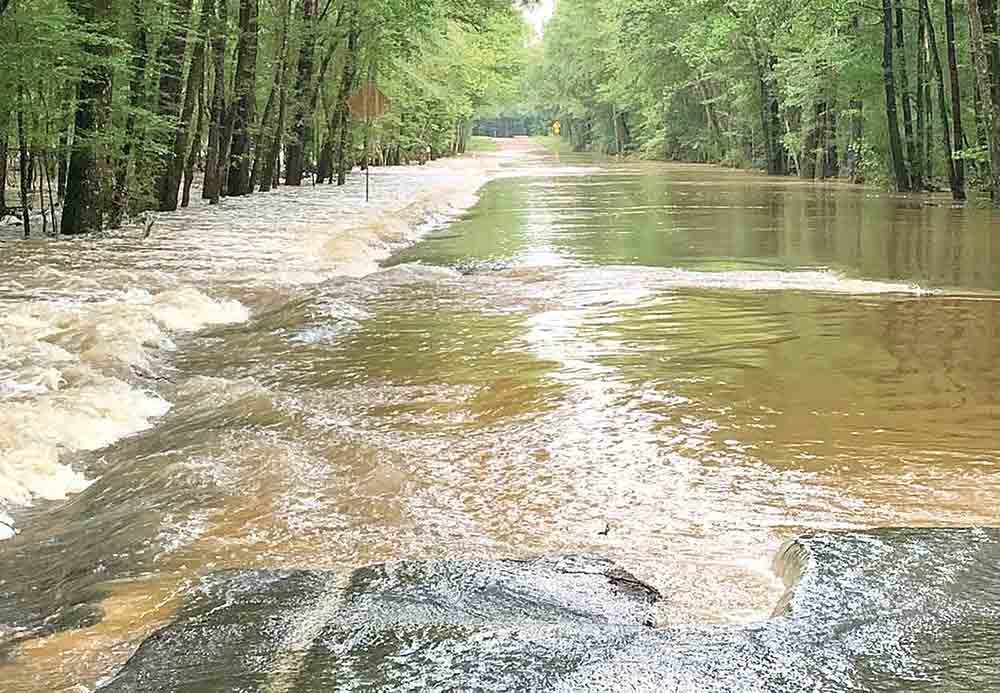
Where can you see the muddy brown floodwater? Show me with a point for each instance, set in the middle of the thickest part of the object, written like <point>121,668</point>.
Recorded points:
<point>678,367</point>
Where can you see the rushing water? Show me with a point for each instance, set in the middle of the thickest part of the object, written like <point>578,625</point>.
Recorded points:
<point>679,367</point>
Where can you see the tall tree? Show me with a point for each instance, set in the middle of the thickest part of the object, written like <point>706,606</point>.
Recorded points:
<point>983,25</point>
<point>928,137</point>
<point>137,82</point>
<point>195,148</point>
<point>958,184</point>
<point>238,182</point>
<point>295,149</point>
<point>84,206</point>
<point>4,144</point>
<point>921,92</point>
<point>946,144</point>
<point>900,174</point>
<point>217,114</point>
<point>171,58</point>
<point>904,83</point>
<point>189,129</point>
<point>347,83</point>
<point>771,119</point>
<point>267,130</point>
<point>271,146</point>
<point>24,174</point>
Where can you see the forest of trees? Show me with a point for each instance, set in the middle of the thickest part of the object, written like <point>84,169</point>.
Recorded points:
<point>113,107</point>
<point>109,108</point>
<point>901,92</point>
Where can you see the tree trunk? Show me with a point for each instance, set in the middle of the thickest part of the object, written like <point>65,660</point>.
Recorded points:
<point>958,184</point>
<point>188,135</point>
<point>38,157</point>
<point>266,131</point>
<point>238,182</point>
<point>831,168</point>
<point>227,145</point>
<point>62,169</point>
<point>272,147</point>
<point>262,149</point>
<point>324,168</point>
<point>274,163</point>
<point>929,105</point>
<point>195,149</point>
<point>343,114</point>
<point>295,149</point>
<point>168,178</point>
<point>770,120</point>
<point>977,107</point>
<point>942,100</point>
<point>810,142</point>
<point>892,121</point>
<point>711,118</point>
<point>988,17</point>
<point>779,154</point>
<point>83,210</point>
<point>136,87</point>
<point>64,140</point>
<point>982,24</point>
<point>22,159</point>
<point>904,84</point>
<point>921,155</point>
<point>4,144</point>
<point>52,202</point>
<point>31,170</point>
<point>855,107</point>
<point>269,176</point>
<point>217,116</point>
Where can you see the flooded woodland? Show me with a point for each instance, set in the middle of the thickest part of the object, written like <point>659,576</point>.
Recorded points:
<point>499,345</point>
<point>676,367</point>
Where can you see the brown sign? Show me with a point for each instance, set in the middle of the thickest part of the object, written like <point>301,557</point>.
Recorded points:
<point>368,102</point>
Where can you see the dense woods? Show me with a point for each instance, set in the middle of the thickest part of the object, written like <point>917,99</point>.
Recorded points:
<point>110,108</point>
<point>905,92</point>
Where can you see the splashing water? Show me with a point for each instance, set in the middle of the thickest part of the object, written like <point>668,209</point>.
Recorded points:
<point>679,367</point>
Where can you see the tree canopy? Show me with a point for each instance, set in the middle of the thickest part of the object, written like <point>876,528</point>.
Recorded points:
<point>115,106</point>
<point>812,89</point>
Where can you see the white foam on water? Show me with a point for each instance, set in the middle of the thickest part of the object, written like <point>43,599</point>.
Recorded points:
<point>83,322</point>
<point>62,383</point>
<point>822,281</point>
<point>639,279</point>
<point>355,247</point>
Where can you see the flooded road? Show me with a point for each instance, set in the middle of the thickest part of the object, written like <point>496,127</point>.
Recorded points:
<point>677,367</point>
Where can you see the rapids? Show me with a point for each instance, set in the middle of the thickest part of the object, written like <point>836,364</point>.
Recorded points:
<point>679,367</point>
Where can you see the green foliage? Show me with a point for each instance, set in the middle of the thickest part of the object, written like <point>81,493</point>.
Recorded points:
<point>439,61</point>
<point>684,77</point>
<point>460,71</point>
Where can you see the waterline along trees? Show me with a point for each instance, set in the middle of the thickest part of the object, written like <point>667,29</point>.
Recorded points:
<point>127,104</point>
<point>870,91</point>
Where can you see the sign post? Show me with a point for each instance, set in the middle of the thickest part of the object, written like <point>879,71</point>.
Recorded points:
<point>368,103</point>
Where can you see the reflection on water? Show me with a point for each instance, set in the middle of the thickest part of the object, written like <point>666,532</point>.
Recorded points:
<point>705,363</point>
